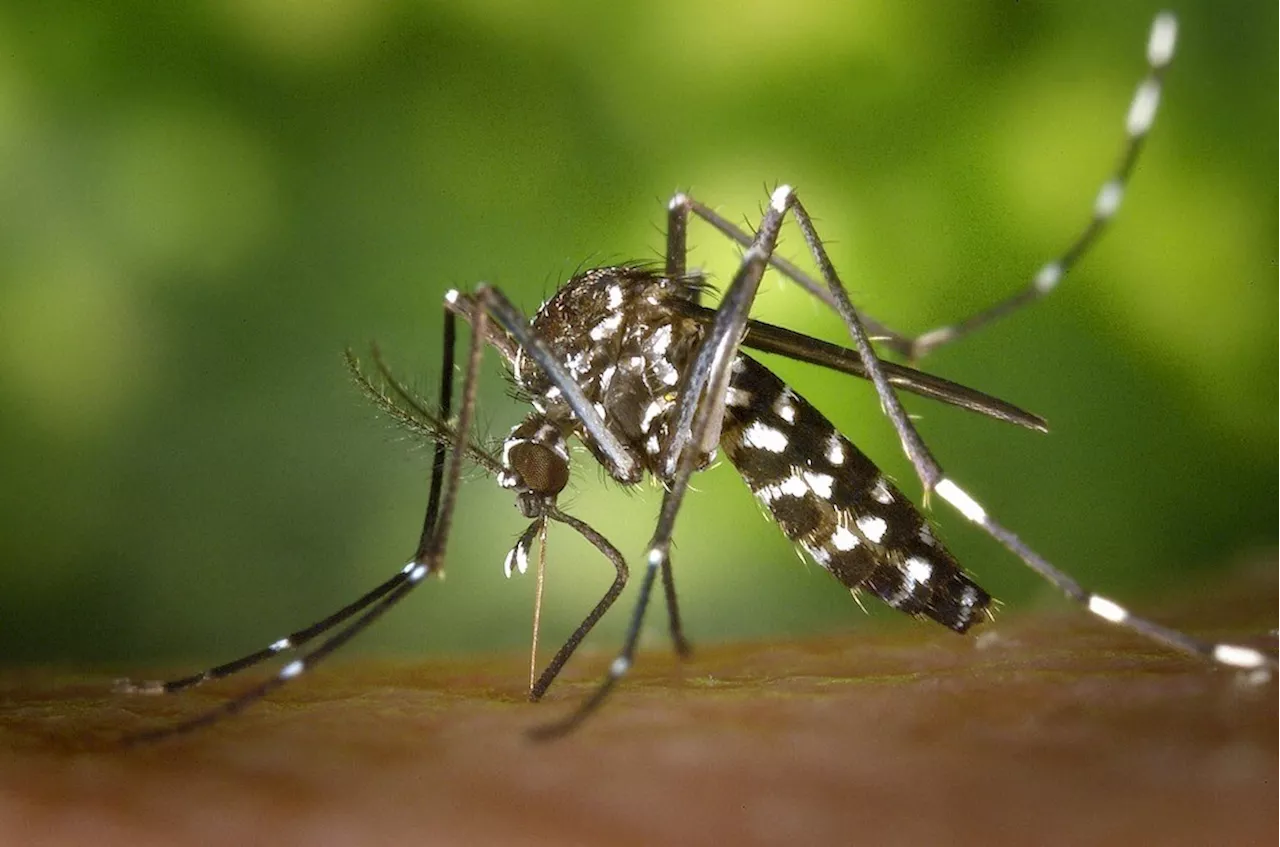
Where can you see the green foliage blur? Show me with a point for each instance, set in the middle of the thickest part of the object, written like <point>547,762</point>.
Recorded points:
<point>202,204</point>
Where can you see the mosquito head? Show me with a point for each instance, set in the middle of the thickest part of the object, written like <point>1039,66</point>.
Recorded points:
<point>535,463</point>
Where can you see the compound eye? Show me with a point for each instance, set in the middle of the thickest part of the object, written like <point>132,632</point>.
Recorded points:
<point>542,470</point>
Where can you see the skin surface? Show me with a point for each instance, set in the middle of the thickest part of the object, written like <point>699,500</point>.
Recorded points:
<point>1050,730</point>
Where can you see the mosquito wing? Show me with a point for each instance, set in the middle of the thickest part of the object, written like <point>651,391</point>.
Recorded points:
<point>803,348</point>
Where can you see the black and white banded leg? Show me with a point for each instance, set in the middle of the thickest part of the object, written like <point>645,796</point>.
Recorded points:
<point>534,462</point>
<point>1141,114</point>
<point>427,560</point>
<point>535,466</point>
<point>699,410</point>
<point>701,404</point>
<point>1231,655</point>
<point>627,360</point>
<point>1139,119</point>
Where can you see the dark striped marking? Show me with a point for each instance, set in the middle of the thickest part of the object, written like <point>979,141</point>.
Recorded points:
<point>832,500</point>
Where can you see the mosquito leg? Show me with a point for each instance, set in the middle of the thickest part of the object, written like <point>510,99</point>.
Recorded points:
<point>625,464</point>
<point>676,266</point>
<point>934,479</point>
<point>921,459</point>
<point>419,419</point>
<point>701,401</point>
<point>677,235</point>
<point>617,670</point>
<point>443,410</point>
<point>1232,655</point>
<point>291,641</point>
<point>678,639</point>
<point>611,553</point>
<point>441,503</point>
<point>297,639</point>
<point>896,341</point>
<point>1138,122</point>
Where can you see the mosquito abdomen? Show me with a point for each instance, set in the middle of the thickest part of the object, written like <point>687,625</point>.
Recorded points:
<point>829,498</point>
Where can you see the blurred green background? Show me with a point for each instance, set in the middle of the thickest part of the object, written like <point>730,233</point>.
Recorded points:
<point>203,203</point>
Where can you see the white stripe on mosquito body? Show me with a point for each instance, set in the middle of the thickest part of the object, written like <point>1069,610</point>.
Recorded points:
<point>1239,657</point>
<point>764,437</point>
<point>872,527</point>
<point>915,575</point>
<point>819,554</point>
<point>292,669</point>
<point>780,198</point>
<point>280,646</point>
<point>1142,112</point>
<point>1107,609</point>
<point>667,373</point>
<point>517,559</point>
<point>1109,197</point>
<point>934,338</point>
<point>660,340</point>
<point>507,446</point>
<point>969,597</point>
<point>835,449</point>
<point>579,363</point>
<point>919,570</point>
<point>794,485</point>
<point>820,484</point>
<point>656,407</point>
<point>1048,277</point>
<point>844,540</point>
<point>606,327</point>
<point>956,496</point>
<point>784,406</point>
<point>1164,37</point>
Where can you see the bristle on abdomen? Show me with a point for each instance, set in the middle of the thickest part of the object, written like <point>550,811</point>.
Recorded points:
<point>833,501</point>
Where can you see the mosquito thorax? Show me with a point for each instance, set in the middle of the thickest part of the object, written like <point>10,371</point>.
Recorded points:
<point>617,332</point>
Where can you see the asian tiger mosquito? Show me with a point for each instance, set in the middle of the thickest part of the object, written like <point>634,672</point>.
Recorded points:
<point>628,360</point>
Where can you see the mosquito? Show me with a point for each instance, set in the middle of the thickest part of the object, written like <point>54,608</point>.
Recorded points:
<point>627,360</point>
